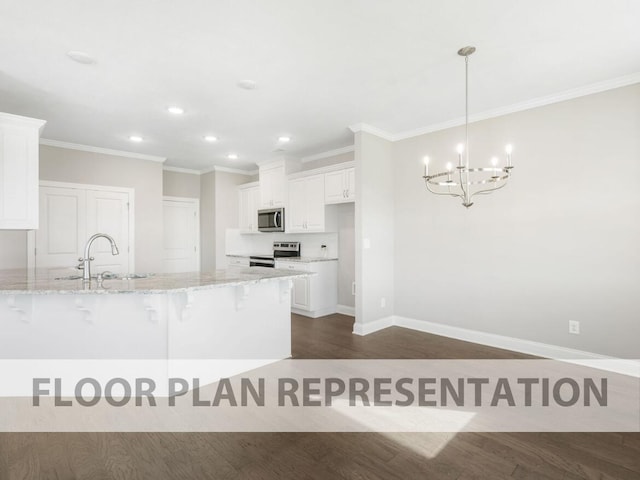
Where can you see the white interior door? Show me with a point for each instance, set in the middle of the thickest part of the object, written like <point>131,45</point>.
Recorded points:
<point>69,215</point>
<point>181,235</point>
<point>62,230</point>
<point>108,212</point>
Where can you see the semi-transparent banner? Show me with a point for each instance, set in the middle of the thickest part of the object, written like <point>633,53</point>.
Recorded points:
<point>316,396</point>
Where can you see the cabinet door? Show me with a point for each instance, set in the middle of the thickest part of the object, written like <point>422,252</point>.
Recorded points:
<point>300,297</point>
<point>295,220</point>
<point>272,187</point>
<point>253,206</point>
<point>278,186</point>
<point>266,188</point>
<point>18,177</point>
<point>244,223</point>
<point>334,187</point>
<point>248,205</point>
<point>314,200</point>
<point>350,184</point>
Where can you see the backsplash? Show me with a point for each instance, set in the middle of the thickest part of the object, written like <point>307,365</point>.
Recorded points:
<point>262,243</point>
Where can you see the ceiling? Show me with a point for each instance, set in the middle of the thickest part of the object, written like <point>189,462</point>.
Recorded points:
<point>319,66</point>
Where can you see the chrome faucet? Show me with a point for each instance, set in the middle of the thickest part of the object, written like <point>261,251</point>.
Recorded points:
<point>85,263</point>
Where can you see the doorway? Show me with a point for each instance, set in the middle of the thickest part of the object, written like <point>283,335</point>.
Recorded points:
<point>181,239</point>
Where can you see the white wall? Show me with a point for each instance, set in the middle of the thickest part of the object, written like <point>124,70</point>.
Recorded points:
<point>559,243</point>
<point>346,254</point>
<point>374,223</point>
<point>226,210</point>
<point>64,165</point>
<point>262,243</point>
<point>13,249</point>
<point>179,184</point>
<point>207,222</point>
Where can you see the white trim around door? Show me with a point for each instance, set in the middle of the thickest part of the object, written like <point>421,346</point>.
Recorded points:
<point>31,234</point>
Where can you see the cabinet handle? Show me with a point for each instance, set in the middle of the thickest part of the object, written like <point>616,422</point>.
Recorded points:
<point>347,193</point>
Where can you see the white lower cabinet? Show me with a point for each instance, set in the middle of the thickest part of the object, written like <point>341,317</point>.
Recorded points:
<point>300,297</point>
<point>316,295</point>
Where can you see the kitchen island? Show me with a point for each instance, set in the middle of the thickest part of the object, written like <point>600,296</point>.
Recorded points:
<point>239,313</point>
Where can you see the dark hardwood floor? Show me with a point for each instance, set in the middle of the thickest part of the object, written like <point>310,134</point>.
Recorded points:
<point>329,455</point>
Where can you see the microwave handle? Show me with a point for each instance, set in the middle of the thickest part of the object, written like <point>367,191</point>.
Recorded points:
<point>275,219</point>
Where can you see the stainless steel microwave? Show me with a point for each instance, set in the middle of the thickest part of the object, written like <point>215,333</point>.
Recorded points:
<point>271,220</point>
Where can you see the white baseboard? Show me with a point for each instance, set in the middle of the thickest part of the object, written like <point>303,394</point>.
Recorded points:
<point>367,328</point>
<point>321,312</point>
<point>345,310</point>
<point>578,357</point>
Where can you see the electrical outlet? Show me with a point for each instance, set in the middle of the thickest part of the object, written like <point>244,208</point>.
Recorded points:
<point>574,327</point>
<point>383,302</point>
<point>353,288</point>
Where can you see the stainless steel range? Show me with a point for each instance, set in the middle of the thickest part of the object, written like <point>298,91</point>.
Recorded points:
<point>280,250</point>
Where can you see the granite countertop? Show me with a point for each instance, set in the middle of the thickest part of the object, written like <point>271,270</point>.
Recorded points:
<point>14,282</point>
<point>287,259</point>
<point>306,259</point>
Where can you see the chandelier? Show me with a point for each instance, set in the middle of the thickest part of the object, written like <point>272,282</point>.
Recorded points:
<point>466,182</point>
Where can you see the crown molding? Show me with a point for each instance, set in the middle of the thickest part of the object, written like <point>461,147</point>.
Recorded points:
<point>378,132</point>
<point>106,151</point>
<point>328,154</point>
<point>506,110</point>
<point>169,168</point>
<point>217,168</point>
<point>322,170</point>
<point>19,119</point>
<point>526,105</point>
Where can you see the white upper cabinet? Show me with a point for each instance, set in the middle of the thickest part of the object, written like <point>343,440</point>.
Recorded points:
<point>248,205</point>
<point>19,172</point>
<point>306,205</point>
<point>273,181</point>
<point>340,186</point>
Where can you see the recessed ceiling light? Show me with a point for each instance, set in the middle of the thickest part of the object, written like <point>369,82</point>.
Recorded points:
<point>175,110</point>
<point>247,84</point>
<point>232,156</point>
<point>284,139</point>
<point>211,138</point>
<point>135,138</point>
<point>81,57</point>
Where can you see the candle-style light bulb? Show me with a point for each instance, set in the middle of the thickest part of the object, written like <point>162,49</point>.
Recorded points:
<point>460,150</point>
<point>449,166</point>
<point>494,163</point>
<point>426,166</point>
<point>508,149</point>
